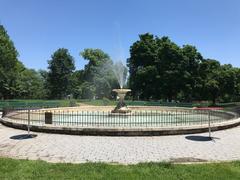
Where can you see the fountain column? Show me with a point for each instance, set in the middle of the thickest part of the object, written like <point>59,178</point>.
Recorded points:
<point>121,107</point>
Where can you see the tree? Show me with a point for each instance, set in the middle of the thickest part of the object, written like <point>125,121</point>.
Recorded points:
<point>44,78</point>
<point>8,65</point>
<point>160,69</point>
<point>209,70</point>
<point>237,84</point>
<point>228,83</point>
<point>87,90</point>
<point>30,85</point>
<point>61,68</point>
<point>96,59</point>
<point>77,80</point>
<point>98,77</point>
<point>143,53</point>
<point>191,78</point>
<point>169,63</point>
<point>155,68</point>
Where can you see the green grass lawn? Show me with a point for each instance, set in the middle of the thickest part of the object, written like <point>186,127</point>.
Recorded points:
<point>19,103</point>
<point>104,102</point>
<point>25,169</point>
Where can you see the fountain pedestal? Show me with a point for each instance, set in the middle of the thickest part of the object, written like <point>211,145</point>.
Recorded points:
<point>121,107</point>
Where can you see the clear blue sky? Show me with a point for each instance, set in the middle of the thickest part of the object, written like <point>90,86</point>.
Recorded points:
<point>38,28</point>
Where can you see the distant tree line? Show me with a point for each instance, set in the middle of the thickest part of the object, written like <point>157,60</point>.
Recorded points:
<point>60,81</point>
<point>158,70</point>
<point>16,81</point>
<point>96,80</point>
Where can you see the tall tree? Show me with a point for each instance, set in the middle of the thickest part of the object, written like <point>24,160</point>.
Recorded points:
<point>155,68</point>
<point>8,65</point>
<point>61,68</point>
<point>142,67</point>
<point>160,69</point>
<point>228,83</point>
<point>77,81</point>
<point>96,59</point>
<point>190,69</point>
<point>98,75</point>
<point>30,84</point>
<point>170,59</point>
<point>210,73</point>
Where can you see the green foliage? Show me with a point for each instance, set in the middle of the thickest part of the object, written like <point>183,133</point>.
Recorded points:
<point>21,103</point>
<point>30,84</point>
<point>143,55</point>
<point>77,80</point>
<point>88,90</point>
<point>61,68</point>
<point>98,78</point>
<point>160,69</point>
<point>106,101</point>
<point>72,103</point>
<point>8,65</point>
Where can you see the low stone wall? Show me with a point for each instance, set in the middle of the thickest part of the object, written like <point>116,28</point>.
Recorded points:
<point>18,119</point>
<point>122,131</point>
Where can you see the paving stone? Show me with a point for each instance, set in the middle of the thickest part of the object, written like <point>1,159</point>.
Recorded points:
<point>126,150</point>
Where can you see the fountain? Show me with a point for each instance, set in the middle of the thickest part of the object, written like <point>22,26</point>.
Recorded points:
<point>121,107</point>
<point>120,72</point>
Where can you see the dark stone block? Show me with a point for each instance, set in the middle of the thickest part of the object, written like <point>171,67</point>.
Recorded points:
<point>48,118</point>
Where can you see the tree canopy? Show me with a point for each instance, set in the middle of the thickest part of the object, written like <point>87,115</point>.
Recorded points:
<point>160,69</point>
<point>61,67</point>
<point>98,77</point>
<point>8,65</point>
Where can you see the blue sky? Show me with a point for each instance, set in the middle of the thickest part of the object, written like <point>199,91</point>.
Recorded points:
<point>38,28</point>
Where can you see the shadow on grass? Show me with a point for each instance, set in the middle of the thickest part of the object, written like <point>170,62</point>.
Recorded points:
<point>201,138</point>
<point>23,136</point>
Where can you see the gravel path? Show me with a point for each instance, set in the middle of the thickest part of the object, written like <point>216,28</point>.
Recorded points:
<point>127,150</point>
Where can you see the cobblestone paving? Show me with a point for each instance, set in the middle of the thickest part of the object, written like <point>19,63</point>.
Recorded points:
<point>127,150</point>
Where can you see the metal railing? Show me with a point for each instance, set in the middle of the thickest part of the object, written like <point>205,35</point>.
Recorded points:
<point>135,119</point>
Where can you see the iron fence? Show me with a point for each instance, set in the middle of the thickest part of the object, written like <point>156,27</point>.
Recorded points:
<point>156,118</point>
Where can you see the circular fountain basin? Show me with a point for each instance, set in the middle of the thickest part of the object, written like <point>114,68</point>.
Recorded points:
<point>95,120</point>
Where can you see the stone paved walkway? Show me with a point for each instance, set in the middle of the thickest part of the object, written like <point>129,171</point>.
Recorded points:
<point>127,150</point>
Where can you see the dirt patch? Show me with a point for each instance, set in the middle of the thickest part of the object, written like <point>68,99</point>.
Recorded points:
<point>187,160</point>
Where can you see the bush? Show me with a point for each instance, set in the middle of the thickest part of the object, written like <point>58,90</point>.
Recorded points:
<point>72,103</point>
<point>106,101</point>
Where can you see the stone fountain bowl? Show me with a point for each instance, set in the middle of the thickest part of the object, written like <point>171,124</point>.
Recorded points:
<point>121,92</point>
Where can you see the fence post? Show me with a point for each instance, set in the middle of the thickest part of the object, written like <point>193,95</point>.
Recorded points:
<point>209,124</point>
<point>4,112</point>
<point>28,124</point>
